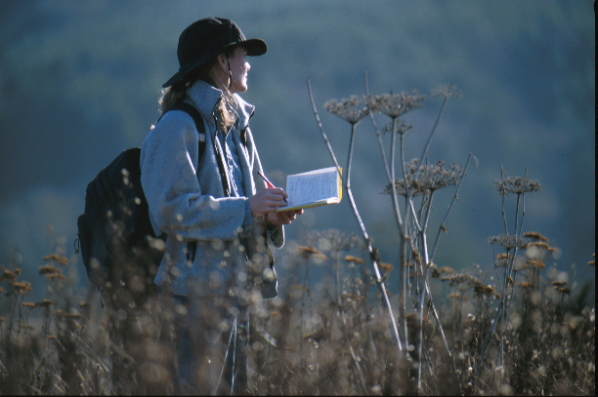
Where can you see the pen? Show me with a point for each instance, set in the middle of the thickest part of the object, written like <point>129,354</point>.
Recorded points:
<point>268,183</point>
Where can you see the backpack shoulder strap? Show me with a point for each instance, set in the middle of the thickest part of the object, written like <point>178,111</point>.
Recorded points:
<point>194,113</point>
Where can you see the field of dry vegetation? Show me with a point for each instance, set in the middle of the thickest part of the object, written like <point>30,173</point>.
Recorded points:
<point>522,327</point>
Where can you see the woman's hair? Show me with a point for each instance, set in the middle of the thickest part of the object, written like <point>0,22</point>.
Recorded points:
<point>176,93</point>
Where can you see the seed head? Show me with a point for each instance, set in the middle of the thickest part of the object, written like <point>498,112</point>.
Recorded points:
<point>434,272</point>
<point>447,269</point>
<point>431,177</point>
<point>385,266</point>
<point>56,276</point>
<point>483,289</point>
<point>351,109</point>
<point>57,258</point>
<point>9,276</point>
<point>354,259</point>
<point>395,105</point>
<point>537,264</point>
<point>516,185</point>
<point>22,288</point>
<point>524,284</point>
<point>306,252</point>
<point>463,282</point>
<point>507,241</point>
<point>535,236</point>
<point>48,269</point>
<point>447,91</point>
<point>539,244</point>
<point>45,303</point>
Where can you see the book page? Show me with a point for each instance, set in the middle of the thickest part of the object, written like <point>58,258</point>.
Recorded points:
<point>313,186</point>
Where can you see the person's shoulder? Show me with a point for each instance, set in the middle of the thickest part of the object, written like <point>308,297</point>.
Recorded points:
<point>175,124</point>
<point>175,119</point>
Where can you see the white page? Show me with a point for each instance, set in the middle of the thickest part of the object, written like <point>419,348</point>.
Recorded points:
<point>312,186</point>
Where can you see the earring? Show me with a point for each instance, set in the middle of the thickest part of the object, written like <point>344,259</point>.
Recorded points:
<point>230,74</point>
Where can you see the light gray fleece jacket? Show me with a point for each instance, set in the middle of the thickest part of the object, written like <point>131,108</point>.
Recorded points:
<point>186,201</point>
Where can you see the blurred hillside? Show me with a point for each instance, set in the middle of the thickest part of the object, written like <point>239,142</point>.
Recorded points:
<point>79,83</point>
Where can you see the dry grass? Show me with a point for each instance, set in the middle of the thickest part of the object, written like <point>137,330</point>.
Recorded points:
<point>335,328</point>
<point>326,337</point>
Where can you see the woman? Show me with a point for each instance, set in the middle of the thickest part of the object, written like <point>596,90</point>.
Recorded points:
<point>216,211</point>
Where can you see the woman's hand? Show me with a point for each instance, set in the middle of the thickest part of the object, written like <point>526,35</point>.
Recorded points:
<point>266,201</point>
<point>283,217</point>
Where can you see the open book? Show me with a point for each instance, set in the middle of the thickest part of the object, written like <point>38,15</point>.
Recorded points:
<point>313,188</point>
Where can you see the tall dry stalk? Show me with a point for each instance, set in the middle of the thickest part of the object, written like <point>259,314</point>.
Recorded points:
<point>419,178</point>
<point>373,253</point>
<point>507,185</point>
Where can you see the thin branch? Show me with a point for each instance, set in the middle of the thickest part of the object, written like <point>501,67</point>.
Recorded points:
<point>522,215</point>
<point>427,356</point>
<point>450,207</point>
<point>402,239</point>
<point>374,256</point>
<point>389,175</point>
<point>416,222</point>
<point>517,213</point>
<point>313,104</point>
<point>504,217</point>
<point>421,159</point>
<point>496,319</point>
<point>348,187</point>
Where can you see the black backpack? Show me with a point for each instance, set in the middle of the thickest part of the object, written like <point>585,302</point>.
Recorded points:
<point>117,242</point>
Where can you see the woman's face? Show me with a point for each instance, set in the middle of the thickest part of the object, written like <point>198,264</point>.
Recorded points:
<point>239,68</point>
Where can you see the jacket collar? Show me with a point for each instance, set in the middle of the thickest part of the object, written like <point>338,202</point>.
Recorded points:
<point>205,97</point>
<point>244,110</point>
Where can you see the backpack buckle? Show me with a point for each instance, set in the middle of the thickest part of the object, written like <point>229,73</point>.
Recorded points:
<point>77,244</point>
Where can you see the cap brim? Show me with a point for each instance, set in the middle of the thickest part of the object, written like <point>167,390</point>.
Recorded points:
<point>254,47</point>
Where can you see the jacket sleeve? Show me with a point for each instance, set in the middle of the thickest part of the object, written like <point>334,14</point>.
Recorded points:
<point>177,205</point>
<point>277,234</point>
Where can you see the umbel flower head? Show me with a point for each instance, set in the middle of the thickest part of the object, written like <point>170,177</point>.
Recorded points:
<point>462,281</point>
<point>431,177</point>
<point>447,91</point>
<point>508,241</point>
<point>395,105</point>
<point>516,185</point>
<point>351,109</point>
